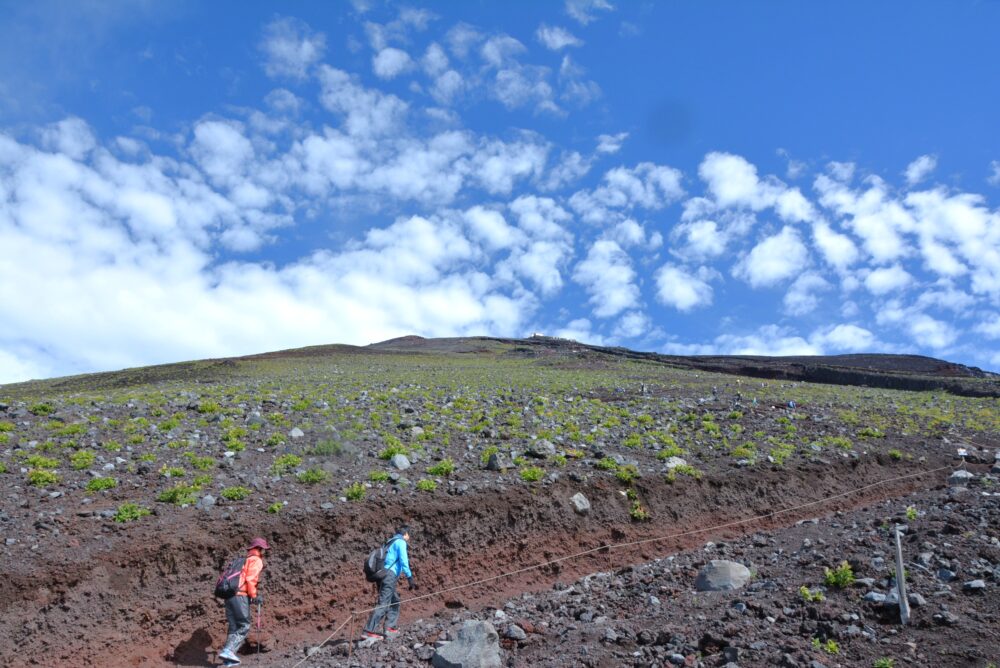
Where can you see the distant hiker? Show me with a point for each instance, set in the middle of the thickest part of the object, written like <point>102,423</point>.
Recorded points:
<point>397,563</point>
<point>238,606</point>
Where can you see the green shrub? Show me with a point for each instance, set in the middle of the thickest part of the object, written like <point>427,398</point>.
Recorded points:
<point>532,474</point>
<point>199,463</point>
<point>301,405</point>
<point>633,440</point>
<point>328,447</point>
<point>735,415</point>
<point>870,432</point>
<point>112,446</point>
<point>42,478</point>
<point>129,511</point>
<point>638,513</point>
<point>445,467</point>
<point>274,440</point>
<point>627,473</point>
<point>425,485</point>
<point>607,464</point>
<point>179,495</point>
<point>487,453</point>
<point>82,460</point>
<point>355,491</point>
<point>392,450</point>
<point>884,662</point>
<point>147,457</point>
<point>42,409</point>
<point>201,480</point>
<point>809,595</point>
<point>839,577</point>
<point>313,476</point>
<point>558,460</point>
<point>41,462</point>
<point>743,452</point>
<point>4,438</point>
<point>285,463</point>
<point>77,429</point>
<point>101,484</point>
<point>209,406</point>
<point>911,513</point>
<point>6,426</point>
<point>237,493</point>
<point>3,467</point>
<point>683,469</point>
<point>172,471</point>
<point>896,454</point>
<point>378,476</point>
<point>275,507</point>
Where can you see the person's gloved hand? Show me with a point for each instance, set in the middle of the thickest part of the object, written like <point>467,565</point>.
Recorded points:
<point>412,583</point>
<point>256,600</point>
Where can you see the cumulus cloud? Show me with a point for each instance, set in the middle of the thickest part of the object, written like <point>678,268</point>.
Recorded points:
<point>556,38</point>
<point>682,289</point>
<point>919,169</point>
<point>290,48</point>
<point>632,325</point>
<point>608,276</point>
<point>845,338</point>
<point>888,279</point>
<point>767,340</point>
<point>837,249</point>
<point>802,297</point>
<point>989,327</point>
<point>878,219</point>
<point>647,186</point>
<point>773,260</point>
<point>733,182</point>
<point>584,11</point>
<point>611,143</point>
<point>390,62</point>
<point>994,177</point>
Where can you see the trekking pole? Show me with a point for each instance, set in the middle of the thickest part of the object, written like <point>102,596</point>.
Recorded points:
<point>259,622</point>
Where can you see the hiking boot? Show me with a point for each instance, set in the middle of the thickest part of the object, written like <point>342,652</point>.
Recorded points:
<point>372,635</point>
<point>229,657</point>
<point>391,632</point>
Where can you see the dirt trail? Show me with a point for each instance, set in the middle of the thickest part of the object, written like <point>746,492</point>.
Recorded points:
<point>142,597</point>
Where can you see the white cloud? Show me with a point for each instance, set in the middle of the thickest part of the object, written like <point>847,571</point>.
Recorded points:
<point>928,331</point>
<point>556,38</point>
<point>919,169</point>
<point>801,297</point>
<point>702,238</point>
<point>872,214</point>
<point>71,136</point>
<point>447,87</point>
<point>989,327</point>
<point>845,338</point>
<point>290,48</point>
<point>584,11</point>
<point>647,186</point>
<point>627,233</point>
<point>994,177</point>
<point>498,165</point>
<point>683,290</point>
<point>773,260</point>
<point>574,87</point>
<point>222,151</point>
<point>461,38</point>
<point>632,325</point>
<point>768,340</point>
<point>390,62</point>
<point>435,60</point>
<point>523,85</point>
<point>611,143</point>
<point>580,330</point>
<point>501,50</point>
<point>367,112</point>
<point>490,227</point>
<point>608,276</point>
<point>837,249</point>
<point>889,279</point>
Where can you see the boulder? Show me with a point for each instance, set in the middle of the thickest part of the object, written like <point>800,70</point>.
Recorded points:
<point>673,462</point>
<point>400,462</point>
<point>721,575</point>
<point>960,477</point>
<point>541,449</point>
<point>498,462</point>
<point>477,645</point>
<point>580,503</point>
<point>206,502</point>
<point>296,433</point>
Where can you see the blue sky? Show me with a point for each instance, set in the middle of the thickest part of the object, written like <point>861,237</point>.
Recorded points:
<point>186,180</point>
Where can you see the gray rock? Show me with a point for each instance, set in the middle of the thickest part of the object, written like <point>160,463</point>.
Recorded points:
<point>400,462</point>
<point>498,462</point>
<point>416,431</point>
<point>541,449</point>
<point>515,632</point>
<point>945,575</point>
<point>874,597</point>
<point>721,575</point>
<point>974,585</point>
<point>476,645</point>
<point>960,477</point>
<point>916,600</point>
<point>206,502</point>
<point>674,462</point>
<point>296,433</point>
<point>946,618</point>
<point>580,503</point>
<point>677,659</point>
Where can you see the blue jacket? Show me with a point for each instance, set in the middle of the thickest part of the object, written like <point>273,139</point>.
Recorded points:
<point>396,559</point>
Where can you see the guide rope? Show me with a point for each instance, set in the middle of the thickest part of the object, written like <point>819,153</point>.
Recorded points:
<point>616,546</point>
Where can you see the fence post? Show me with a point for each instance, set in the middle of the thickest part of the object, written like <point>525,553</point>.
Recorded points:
<point>904,602</point>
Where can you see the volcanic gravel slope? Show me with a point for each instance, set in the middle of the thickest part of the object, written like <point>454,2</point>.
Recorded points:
<point>274,445</point>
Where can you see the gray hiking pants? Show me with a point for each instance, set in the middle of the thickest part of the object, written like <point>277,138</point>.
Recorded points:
<point>387,606</point>
<point>238,616</point>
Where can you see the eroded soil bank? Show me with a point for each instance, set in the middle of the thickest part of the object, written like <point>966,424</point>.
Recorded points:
<point>142,597</point>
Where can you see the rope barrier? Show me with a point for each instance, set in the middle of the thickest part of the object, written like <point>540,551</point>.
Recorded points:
<point>656,539</point>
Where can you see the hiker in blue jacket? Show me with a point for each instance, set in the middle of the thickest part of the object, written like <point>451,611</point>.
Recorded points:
<point>397,563</point>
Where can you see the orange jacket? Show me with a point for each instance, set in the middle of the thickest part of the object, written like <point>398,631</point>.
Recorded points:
<point>250,577</point>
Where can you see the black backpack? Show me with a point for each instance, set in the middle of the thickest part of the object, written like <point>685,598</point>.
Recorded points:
<point>374,567</point>
<point>228,583</point>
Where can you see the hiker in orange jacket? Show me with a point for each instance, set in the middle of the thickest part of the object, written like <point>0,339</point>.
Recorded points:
<point>238,607</point>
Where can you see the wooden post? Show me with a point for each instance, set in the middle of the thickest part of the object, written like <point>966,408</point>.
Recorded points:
<point>904,602</point>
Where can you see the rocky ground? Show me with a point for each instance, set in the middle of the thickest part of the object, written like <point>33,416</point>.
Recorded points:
<point>781,612</point>
<point>125,493</point>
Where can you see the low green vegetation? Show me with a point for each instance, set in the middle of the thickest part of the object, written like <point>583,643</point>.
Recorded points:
<point>532,473</point>
<point>810,596</point>
<point>378,476</point>
<point>285,463</point>
<point>638,513</point>
<point>42,478</point>
<point>840,577</point>
<point>884,662</point>
<point>275,507</point>
<point>179,495</point>
<point>237,493</point>
<point>313,476</point>
<point>82,459</point>
<point>445,467</point>
<point>101,484</point>
<point>425,485</point>
<point>355,491</point>
<point>128,512</point>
